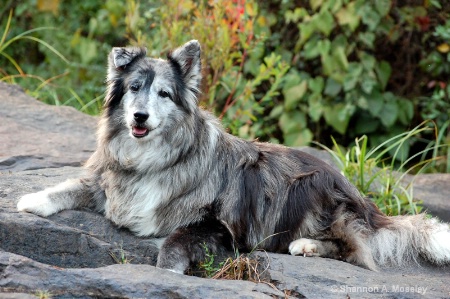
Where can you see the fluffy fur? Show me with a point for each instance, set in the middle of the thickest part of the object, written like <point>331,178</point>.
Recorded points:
<point>166,168</point>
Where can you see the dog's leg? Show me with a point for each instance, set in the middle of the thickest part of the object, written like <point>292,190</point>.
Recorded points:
<point>68,195</point>
<point>346,239</point>
<point>186,246</point>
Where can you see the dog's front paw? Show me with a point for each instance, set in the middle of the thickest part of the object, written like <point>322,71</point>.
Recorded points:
<point>37,203</point>
<point>303,246</point>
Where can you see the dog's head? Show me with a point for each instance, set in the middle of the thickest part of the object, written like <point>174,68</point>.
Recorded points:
<point>152,93</point>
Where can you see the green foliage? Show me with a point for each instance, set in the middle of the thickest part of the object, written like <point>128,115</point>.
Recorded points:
<point>7,42</point>
<point>241,80</point>
<point>377,177</point>
<point>280,71</point>
<point>82,32</point>
<point>348,80</point>
<point>209,267</point>
<point>121,256</point>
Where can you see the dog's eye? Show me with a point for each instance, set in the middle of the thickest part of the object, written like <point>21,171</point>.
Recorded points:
<point>164,94</point>
<point>135,87</point>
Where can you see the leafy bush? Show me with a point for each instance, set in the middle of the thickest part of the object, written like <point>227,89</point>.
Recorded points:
<point>296,72</point>
<point>240,80</point>
<point>283,71</point>
<point>342,79</point>
<point>83,32</point>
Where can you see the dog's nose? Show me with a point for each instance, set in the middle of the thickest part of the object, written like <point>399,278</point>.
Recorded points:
<point>140,117</point>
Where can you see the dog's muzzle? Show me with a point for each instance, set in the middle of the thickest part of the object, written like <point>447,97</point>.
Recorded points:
<point>140,130</point>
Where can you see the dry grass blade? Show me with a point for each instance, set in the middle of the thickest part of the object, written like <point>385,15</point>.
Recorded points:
<point>244,268</point>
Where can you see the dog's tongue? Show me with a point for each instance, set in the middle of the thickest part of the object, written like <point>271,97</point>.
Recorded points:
<point>139,130</point>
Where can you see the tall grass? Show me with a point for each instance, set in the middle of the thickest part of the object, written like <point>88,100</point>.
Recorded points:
<point>379,177</point>
<point>38,86</point>
<point>26,35</point>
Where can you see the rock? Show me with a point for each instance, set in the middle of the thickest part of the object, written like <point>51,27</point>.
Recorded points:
<point>119,281</point>
<point>327,278</point>
<point>76,254</point>
<point>434,190</point>
<point>69,135</point>
<point>321,154</point>
<point>67,239</point>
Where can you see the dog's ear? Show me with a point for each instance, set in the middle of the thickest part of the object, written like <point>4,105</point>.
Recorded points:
<point>118,61</point>
<point>120,58</point>
<point>187,59</point>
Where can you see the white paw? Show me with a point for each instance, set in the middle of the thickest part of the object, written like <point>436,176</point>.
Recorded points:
<point>303,246</point>
<point>37,203</point>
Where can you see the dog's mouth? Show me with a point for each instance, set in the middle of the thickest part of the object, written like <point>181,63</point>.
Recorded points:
<point>139,131</point>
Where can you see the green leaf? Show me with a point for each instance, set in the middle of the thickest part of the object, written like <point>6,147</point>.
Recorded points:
<point>329,65</point>
<point>366,125</point>
<point>383,71</point>
<point>292,121</point>
<point>315,107</point>
<point>296,15</point>
<point>353,76</point>
<point>383,7</point>
<point>276,112</point>
<point>389,113</point>
<point>252,66</point>
<point>316,84</point>
<point>348,16</point>
<point>311,48</point>
<point>315,4</point>
<point>291,79</point>
<point>304,137</point>
<point>340,57</point>
<point>293,95</point>
<point>323,46</point>
<point>367,60</point>
<point>339,41</point>
<point>406,111</point>
<point>338,116</point>
<point>335,63</point>
<point>362,103</point>
<point>436,3</point>
<point>368,83</point>
<point>332,5</point>
<point>367,38</point>
<point>88,50</point>
<point>369,16</point>
<point>324,22</point>
<point>375,103</point>
<point>306,30</point>
<point>332,87</point>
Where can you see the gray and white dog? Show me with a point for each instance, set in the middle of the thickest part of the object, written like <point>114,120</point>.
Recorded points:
<point>164,167</point>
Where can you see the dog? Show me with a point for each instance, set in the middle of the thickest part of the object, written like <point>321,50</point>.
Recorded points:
<point>165,168</point>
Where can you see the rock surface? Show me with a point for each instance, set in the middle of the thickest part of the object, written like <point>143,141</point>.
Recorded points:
<point>34,135</point>
<point>434,190</point>
<point>75,254</point>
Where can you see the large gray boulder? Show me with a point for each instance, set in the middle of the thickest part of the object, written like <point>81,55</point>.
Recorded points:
<point>34,135</point>
<point>78,254</point>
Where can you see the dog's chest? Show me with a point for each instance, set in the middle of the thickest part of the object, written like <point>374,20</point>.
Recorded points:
<point>132,202</point>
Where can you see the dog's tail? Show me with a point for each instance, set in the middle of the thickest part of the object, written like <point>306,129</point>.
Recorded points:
<point>410,238</point>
